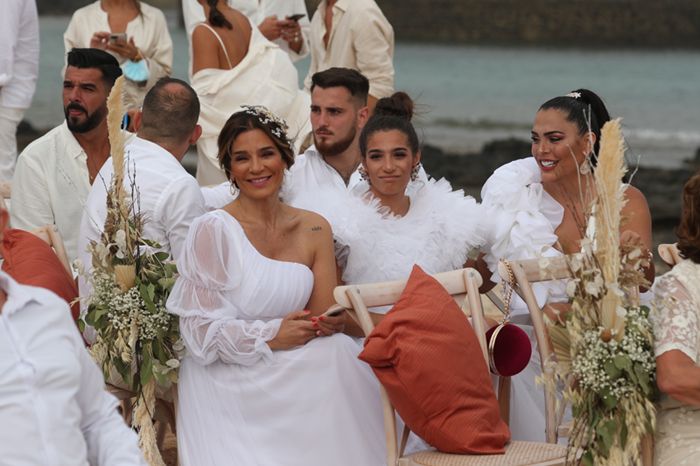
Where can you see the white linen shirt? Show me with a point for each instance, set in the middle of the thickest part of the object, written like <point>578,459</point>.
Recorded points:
<point>169,198</point>
<point>256,11</point>
<point>19,53</point>
<point>50,185</point>
<point>54,409</point>
<point>311,173</point>
<point>361,38</point>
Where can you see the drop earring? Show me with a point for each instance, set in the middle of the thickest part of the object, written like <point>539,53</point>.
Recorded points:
<point>414,171</point>
<point>363,173</point>
<point>585,167</point>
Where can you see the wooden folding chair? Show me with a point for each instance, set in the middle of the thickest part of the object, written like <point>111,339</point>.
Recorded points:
<point>669,254</point>
<point>463,285</point>
<point>525,273</point>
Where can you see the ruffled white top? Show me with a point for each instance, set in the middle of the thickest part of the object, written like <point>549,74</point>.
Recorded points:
<point>522,221</point>
<point>439,230</point>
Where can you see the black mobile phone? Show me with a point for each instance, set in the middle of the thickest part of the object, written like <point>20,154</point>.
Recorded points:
<point>296,17</point>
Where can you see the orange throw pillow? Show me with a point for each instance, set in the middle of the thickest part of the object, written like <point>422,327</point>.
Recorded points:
<point>30,261</point>
<point>428,358</point>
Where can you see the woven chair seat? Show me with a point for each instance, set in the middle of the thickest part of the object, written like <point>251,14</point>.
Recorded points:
<point>517,454</point>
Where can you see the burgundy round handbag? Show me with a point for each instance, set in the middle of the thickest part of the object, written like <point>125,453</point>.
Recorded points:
<point>509,347</point>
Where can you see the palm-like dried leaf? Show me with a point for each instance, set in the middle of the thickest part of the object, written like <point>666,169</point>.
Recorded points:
<point>610,201</point>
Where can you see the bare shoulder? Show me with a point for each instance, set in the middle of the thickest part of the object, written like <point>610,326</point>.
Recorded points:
<point>312,222</point>
<point>202,36</point>
<point>636,201</point>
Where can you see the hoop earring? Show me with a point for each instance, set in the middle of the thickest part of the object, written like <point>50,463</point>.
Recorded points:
<point>585,167</point>
<point>414,171</point>
<point>363,174</point>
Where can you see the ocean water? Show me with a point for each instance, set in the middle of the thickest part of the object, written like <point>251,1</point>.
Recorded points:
<point>469,95</point>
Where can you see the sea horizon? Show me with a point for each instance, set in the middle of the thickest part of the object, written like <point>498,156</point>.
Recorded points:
<point>470,95</point>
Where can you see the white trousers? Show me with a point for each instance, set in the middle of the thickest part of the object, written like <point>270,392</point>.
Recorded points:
<point>9,119</point>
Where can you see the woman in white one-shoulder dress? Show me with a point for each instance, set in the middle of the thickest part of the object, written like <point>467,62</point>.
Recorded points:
<point>535,207</point>
<point>265,380</point>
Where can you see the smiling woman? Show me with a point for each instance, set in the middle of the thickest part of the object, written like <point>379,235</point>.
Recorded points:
<point>265,376</point>
<point>538,207</point>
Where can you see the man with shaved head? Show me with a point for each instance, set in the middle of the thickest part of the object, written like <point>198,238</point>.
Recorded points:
<point>166,195</point>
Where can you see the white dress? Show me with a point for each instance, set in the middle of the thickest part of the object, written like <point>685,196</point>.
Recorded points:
<point>241,403</point>
<point>523,219</point>
<point>676,321</point>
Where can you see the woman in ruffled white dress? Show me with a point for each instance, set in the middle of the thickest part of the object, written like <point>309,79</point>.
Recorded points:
<point>676,322</point>
<point>265,380</point>
<point>396,218</point>
<point>536,208</point>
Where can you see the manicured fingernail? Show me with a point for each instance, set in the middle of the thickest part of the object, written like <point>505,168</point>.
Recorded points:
<point>321,318</point>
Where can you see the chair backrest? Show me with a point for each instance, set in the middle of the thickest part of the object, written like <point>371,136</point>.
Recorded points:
<point>462,284</point>
<point>669,254</point>
<point>525,273</point>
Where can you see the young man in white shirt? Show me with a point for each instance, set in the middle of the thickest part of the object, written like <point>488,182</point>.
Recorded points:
<point>54,173</point>
<point>168,197</point>
<point>338,114</point>
<point>55,409</point>
<point>354,34</point>
<point>19,69</point>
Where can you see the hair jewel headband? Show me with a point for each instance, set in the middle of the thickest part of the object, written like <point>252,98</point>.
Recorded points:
<point>573,95</point>
<point>265,116</point>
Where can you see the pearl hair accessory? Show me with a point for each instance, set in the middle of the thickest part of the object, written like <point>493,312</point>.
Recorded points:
<point>573,95</point>
<point>277,125</point>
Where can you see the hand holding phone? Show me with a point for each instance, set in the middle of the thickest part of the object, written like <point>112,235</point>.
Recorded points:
<point>115,37</point>
<point>296,17</point>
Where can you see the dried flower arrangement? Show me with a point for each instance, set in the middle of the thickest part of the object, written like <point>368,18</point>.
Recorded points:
<point>606,345</point>
<point>136,338</point>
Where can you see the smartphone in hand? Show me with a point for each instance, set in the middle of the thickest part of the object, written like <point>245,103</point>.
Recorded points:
<point>334,311</point>
<point>296,17</point>
<point>117,37</point>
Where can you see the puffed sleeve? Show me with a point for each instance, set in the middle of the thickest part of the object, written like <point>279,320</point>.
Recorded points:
<point>210,270</point>
<point>674,319</point>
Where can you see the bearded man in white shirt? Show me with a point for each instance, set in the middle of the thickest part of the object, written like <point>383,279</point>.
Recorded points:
<point>19,69</point>
<point>338,114</point>
<point>55,409</point>
<point>354,34</point>
<point>55,172</point>
<point>168,197</point>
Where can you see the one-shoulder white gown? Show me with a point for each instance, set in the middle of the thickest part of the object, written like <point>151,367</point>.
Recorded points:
<point>241,403</point>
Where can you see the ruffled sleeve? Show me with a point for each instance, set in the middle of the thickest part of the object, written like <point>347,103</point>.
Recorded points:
<point>674,318</point>
<point>520,221</point>
<point>210,270</point>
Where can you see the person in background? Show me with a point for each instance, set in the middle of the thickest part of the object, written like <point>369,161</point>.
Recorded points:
<point>54,173</point>
<point>19,69</point>
<point>354,34</point>
<point>676,321</point>
<point>234,65</point>
<point>275,20</point>
<point>536,208</point>
<point>134,32</point>
<point>55,409</point>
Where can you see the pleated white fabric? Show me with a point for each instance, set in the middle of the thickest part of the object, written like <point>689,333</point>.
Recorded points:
<point>241,403</point>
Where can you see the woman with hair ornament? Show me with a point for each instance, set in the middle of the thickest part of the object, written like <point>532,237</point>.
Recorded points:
<point>267,379</point>
<point>537,209</point>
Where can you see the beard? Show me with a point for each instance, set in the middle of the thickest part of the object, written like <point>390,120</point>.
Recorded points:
<point>335,148</point>
<point>90,122</point>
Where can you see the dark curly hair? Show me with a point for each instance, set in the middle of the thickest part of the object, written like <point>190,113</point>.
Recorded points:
<point>688,230</point>
<point>249,119</point>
